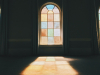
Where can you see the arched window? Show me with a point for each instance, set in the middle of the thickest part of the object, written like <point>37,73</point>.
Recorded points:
<point>50,28</point>
<point>99,18</point>
<point>99,27</point>
<point>0,14</point>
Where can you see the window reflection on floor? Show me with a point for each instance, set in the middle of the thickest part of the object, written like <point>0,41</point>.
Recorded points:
<point>50,66</point>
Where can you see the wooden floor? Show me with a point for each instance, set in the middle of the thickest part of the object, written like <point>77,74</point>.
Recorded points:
<point>50,65</point>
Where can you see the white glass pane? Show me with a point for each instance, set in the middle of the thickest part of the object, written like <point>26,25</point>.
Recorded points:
<point>56,17</point>
<point>50,24</point>
<point>99,10</point>
<point>99,16</point>
<point>56,32</point>
<point>56,24</point>
<point>50,40</point>
<point>99,24</point>
<point>43,25</point>
<point>56,10</point>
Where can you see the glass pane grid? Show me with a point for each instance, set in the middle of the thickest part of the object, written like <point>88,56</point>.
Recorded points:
<point>50,26</point>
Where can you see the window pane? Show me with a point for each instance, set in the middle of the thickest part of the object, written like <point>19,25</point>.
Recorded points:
<point>43,17</point>
<point>43,25</point>
<point>50,12</point>
<point>57,40</point>
<point>99,16</point>
<point>50,40</point>
<point>43,41</point>
<point>55,10</point>
<point>99,33</point>
<point>50,32</point>
<point>50,7</point>
<point>99,10</point>
<point>56,17</point>
<point>56,32</point>
<point>50,17</point>
<point>50,24</point>
<point>99,24</point>
<point>56,24</point>
<point>43,32</point>
<point>44,10</point>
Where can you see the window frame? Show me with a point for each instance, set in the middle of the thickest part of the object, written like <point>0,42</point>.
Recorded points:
<point>39,26</point>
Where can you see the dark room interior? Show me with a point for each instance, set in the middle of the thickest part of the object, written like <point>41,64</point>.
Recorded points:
<point>49,37</point>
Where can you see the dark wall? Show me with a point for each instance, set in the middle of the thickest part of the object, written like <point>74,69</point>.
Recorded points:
<point>22,26</point>
<point>79,27</point>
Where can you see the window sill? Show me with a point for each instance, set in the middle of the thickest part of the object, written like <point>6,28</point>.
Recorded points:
<point>50,46</point>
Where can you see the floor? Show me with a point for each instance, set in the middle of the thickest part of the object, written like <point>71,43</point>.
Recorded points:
<point>50,65</point>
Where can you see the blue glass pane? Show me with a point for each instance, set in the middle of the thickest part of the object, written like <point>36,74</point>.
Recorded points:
<point>99,16</point>
<point>50,7</point>
<point>43,25</point>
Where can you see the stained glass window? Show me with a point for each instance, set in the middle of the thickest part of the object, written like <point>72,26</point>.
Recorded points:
<point>0,10</point>
<point>99,24</point>
<point>0,15</point>
<point>50,25</point>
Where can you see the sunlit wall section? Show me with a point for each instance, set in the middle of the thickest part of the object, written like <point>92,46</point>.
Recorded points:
<point>50,26</point>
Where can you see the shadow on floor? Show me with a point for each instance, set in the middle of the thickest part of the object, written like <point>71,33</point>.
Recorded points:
<point>89,65</point>
<point>14,65</point>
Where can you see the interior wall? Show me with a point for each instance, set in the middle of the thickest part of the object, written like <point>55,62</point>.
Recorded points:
<point>79,27</point>
<point>23,25</point>
<point>98,22</point>
<point>0,27</point>
<point>49,50</point>
<point>20,28</point>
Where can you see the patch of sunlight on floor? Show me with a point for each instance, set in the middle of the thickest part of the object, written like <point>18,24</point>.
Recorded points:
<point>49,66</point>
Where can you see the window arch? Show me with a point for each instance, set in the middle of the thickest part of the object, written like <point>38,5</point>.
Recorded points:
<point>50,27</point>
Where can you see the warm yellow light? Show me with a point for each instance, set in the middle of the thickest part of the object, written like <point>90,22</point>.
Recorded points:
<point>49,66</point>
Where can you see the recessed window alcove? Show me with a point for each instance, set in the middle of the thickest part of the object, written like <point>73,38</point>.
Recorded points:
<point>50,28</point>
